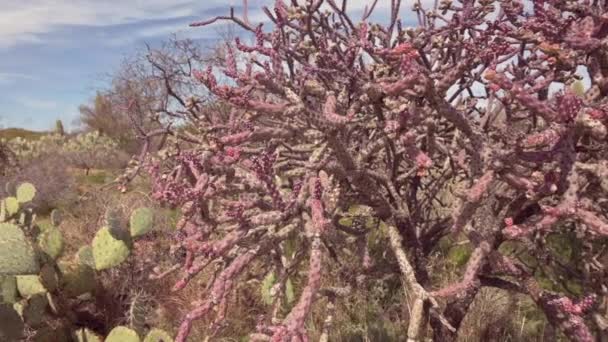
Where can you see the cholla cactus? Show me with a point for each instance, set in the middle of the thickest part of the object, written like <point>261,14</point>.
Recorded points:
<point>85,150</point>
<point>444,131</point>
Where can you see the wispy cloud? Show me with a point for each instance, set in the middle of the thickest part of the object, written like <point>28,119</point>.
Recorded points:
<point>35,103</point>
<point>10,77</point>
<point>24,21</point>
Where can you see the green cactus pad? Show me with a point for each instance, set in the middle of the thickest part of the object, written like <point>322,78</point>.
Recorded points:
<point>12,205</point>
<point>85,256</point>
<point>142,221</point>
<point>3,213</point>
<point>26,192</point>
<point>29,285</point>
<point>51,242</point>
<point>11,325</point>
<point>122,334</point>
<point>112,219</point>
<point>107,251</point>
<point>158,335</point>
<point>86,335</point>
<point>56,217</point>
<point>8,289</point>
<point>16,254</point>
<point>77,279</point>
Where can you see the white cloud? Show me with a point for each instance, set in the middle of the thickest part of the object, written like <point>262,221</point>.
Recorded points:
<point>34,103</point>
<point>10,77</point>
<point>23,21</point>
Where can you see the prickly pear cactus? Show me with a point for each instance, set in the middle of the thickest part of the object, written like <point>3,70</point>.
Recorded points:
<point>85,256</point>
<point>56,217</point>
<point>33,309</point>
<point>122,334</point>
<point>3,212</point>
<point>26,192</point>
<point>51,242</point>
<point>11,325</point>
<point>158,335</point>
<point>29,285</point>
<point>16,253</point>
<point>49,277</point>
<point>12,205</point>
<point>107,250</point>
<point>116,228</point>
<point>77,279</point>
<point>86,335</point>
<point>8,289</point>
<point>141,222</point>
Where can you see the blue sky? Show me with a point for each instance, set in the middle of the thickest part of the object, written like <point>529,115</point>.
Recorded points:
<point>54,54</point>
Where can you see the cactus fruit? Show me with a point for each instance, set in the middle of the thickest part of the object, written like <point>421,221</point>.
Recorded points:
<point>51,242</point>
<point>16,254</point>
<point>158,335</point>
<point>86,335</point>
<point>108,251</point>
<point>29,285</point>
<point>26,192</point>
<point>141,222</point>
<point>85,256</point>
<point>122,334</point>
<point>12,205</point>
<point>8,289</point>
<point>56,217</point>
<point>11,326</point>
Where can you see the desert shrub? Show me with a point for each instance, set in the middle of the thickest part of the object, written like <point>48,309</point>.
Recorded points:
<point>51,175</point>
<point>83,151</point>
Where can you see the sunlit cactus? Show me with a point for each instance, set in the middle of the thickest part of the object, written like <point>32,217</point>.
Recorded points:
<point>141,221</point>
<point>122,334</point>
<point>108,251</point>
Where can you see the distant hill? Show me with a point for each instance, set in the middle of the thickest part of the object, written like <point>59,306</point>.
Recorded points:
<point>11,133</point>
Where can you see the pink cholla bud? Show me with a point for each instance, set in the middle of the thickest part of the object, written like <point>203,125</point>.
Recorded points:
<point>513,231</point>
<point>391,126</point>
<point>509,221</point>
<point>597,114</point>
<point>566,304</point>
<point>569,105</point>
<point>423,162</point>
<point>233,153</point>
